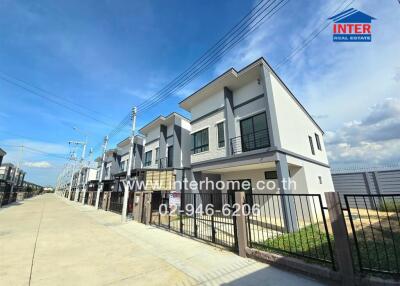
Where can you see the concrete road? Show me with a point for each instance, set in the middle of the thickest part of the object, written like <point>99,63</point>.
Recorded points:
<point>49,241</point>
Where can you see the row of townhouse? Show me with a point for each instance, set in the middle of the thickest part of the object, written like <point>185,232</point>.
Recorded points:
<point>12,182</point>
<point>245,126</point>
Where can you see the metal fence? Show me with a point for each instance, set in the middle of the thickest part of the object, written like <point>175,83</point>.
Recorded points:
<point>374,232</point>
<point>198,215</point>
<point>116,202</point>
<point>293,224</point>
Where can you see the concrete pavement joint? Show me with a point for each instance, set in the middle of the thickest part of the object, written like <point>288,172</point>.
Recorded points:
<point>37,236</point>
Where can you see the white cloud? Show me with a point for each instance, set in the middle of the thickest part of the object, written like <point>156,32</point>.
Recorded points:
<point>350,86</point>
<point>39,164</point>
<point>373,140</point>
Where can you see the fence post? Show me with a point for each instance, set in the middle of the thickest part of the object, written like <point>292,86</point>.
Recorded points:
<point>342,244</point>
<point>241,229</point>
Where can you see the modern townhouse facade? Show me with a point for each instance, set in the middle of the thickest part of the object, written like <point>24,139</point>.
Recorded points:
<point>247,125</point>
<point>12,182</point>
<point>165,156</point>
<point>88,176</point>
<point>166,152</point>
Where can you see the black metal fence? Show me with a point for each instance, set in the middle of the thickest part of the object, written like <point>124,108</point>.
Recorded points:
<point>374,232</point>
<point>101,198</point>
<point>206,216</point>
<point>290,224</point>
<point>116,202</point>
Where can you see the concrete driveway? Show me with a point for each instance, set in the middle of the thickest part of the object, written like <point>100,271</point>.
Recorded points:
<point>49,241</point>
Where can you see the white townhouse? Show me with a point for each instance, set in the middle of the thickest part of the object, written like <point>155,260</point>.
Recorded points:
<point>123,149</point>
<point>167,142</point>
<point>247,125</point>
<point>166,154</point>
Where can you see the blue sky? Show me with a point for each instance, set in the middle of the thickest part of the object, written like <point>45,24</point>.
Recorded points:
<point>109,55</point>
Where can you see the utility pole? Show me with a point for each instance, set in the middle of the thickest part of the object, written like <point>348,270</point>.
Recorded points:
<point>128,172</point>
<point>84,187</point>
<point>72,174</point>
<point>80,170</point>
<point>76,143</point>
<point>100,186</point>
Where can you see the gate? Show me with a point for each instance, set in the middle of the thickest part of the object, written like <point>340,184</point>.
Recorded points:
<point>374,232</point>
<point>116,202</point>
<point>206,216</point>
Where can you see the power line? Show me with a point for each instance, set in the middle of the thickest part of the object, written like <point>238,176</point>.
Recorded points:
<point>37,151</point>
<point>310,37</point>
<point>31,85</point>
<point>32,91</point>
<point>240,31</point>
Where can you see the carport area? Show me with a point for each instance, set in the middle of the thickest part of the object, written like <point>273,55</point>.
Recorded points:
<point>50,241</point>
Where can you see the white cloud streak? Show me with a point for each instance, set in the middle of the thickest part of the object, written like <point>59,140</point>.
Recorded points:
<point>39,164</point>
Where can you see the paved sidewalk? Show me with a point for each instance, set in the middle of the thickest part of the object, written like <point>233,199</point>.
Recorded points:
<point>49,241</point>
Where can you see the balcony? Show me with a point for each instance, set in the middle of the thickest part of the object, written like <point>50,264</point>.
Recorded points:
<point>249,142</point>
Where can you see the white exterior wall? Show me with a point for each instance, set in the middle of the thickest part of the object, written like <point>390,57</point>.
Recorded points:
<point>295,126</point>
<point>246,92</point>
<point>211,103</point>
<point>92,174</point>
<point>213,152</point>
<point>186,142</point>
<point>311,173</point>
<point>153,134</point>
<point>254,176</point>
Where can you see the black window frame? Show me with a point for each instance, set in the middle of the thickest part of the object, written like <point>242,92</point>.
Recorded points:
<point>146,161</point>
<point>202,147</point>
<point>170,157</point>
<point>221,137</point>
<point>252,140</point>
<point>310,140</point>
<point>318,142</point>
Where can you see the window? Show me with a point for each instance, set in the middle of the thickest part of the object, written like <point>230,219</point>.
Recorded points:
<point>318,142</point>
<point>271,175</point>
<point>320,180</point>
<point>147,158</point>
<point>123,166</point>
<point>157,155</point>
<point>170,156</point>
<point>311,145</point>
<point>200,141</point>
<point>221,135</point>
<point>254,132</point>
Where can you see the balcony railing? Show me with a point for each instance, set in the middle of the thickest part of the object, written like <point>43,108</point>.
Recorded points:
<point>250,141</point>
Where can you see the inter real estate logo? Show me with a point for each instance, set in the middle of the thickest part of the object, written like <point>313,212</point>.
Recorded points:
<point>352,26</point>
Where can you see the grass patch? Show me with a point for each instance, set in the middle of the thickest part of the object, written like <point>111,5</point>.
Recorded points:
<point>390,205</point>
<point>310,242</point>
